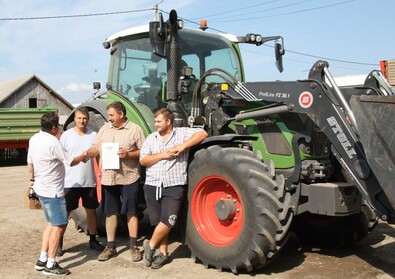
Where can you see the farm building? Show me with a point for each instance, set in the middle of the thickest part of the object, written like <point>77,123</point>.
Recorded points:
<point>31,92</point>
<point>22,102</point>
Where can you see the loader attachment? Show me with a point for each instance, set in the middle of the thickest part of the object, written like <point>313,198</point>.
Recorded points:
<point>375,119</point>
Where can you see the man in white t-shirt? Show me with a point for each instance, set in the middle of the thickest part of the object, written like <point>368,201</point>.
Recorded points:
<point>46,162</point>
<point>80,182</point>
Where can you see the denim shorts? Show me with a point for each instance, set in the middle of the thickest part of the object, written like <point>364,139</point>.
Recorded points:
<point>54,210</point>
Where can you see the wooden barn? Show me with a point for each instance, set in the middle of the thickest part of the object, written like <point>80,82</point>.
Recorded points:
<point>22,103</point>
<point>31,92</point>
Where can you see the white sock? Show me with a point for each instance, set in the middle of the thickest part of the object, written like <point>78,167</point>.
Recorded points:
<point>43,256</point>
<point>50,262</point>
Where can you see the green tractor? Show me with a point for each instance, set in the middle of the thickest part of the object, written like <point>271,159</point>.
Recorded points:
<point>304,156</point>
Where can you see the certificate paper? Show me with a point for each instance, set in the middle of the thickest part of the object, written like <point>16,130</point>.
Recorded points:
<point>110,157</point>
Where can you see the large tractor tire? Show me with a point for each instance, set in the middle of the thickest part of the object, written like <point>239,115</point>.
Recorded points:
<point>238,212</point>
<point>101,220</point>
<point>80,222</point>
<point>79,217</point>
<point>332,231</point>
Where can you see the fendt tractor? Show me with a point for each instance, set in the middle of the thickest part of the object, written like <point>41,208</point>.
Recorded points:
<point>303,156</point>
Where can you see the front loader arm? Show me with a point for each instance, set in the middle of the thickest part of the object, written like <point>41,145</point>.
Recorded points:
<point>331,113</point>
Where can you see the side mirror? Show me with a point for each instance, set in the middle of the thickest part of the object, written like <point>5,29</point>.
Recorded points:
<point>279,52</point>
<point>96,85</point>
<point>158,35</point>
<point>259,40</point>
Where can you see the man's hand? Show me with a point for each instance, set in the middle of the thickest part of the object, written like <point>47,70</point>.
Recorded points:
<point>123,153</point>
<point>92,152</point>
<point>86,158</point>
<point>167,154</point>
<point>175,151</point>
<point>80,158</point>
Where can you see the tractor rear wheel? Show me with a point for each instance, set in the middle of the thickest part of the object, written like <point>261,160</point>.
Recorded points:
<point>79,217</point>
<point>238,211</point>
<point>333,231</point>
<point>80,221</point>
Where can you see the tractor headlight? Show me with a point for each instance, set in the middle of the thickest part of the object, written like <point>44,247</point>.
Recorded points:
<point>180,24</point>
<point>253,39</point>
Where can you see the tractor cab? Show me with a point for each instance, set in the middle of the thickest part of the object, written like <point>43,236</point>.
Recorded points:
<point>141,76</point>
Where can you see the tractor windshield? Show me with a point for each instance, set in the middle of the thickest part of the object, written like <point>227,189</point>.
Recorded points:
<point>141,76</point>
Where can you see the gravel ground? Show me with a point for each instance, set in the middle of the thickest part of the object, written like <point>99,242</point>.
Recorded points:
<point>20,241</point>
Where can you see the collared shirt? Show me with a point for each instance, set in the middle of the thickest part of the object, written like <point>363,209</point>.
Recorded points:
<point>169,172</point>
<point>129,136</point>
<point>48,158</point>
<point>81,175</point>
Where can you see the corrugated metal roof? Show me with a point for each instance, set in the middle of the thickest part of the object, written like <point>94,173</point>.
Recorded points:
<point>7,88</point>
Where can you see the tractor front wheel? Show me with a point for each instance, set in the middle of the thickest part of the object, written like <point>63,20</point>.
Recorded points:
<point>238,211</point>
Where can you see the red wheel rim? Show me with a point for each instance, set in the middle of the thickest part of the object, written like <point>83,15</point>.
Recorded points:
<point>206,194</point>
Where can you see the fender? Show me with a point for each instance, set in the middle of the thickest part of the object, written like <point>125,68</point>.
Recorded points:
<point>98,105</point>
<point>225,139</point>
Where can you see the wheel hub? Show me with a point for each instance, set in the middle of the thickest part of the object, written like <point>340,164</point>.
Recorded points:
<point>225,209</point>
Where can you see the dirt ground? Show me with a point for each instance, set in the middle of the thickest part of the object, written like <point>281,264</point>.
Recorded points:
<point>21,229</point>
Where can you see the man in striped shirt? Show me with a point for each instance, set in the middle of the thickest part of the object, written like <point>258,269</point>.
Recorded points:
<point>165,156</point>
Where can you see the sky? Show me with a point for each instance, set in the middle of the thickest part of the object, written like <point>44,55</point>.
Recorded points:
<point>64,46</point>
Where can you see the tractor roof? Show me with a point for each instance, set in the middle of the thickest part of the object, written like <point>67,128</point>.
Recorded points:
<point>145,29</point>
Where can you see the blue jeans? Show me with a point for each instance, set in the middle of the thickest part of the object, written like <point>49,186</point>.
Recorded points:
<point>54,210</point>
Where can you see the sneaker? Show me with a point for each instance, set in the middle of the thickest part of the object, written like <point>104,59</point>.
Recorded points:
<point>107,254</point>
<point>136,255</point>
<point>95,245</point>
<point>40,265</point>
<point>55,270</point>
<point>160,261</point>
<point>148,253</point>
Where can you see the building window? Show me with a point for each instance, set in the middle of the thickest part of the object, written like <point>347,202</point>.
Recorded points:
<point>32,102</point>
